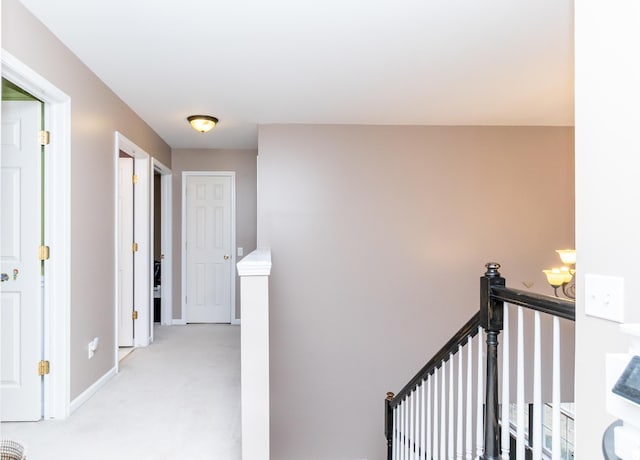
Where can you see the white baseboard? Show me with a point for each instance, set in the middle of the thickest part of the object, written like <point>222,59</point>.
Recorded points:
<point>182,322</point>
<point>93,389</point>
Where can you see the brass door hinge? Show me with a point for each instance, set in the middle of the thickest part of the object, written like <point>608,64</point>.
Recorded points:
<point>43,252</point>
<point>43,368</point>
<point>134,315</point>
<point>43,137</point>
<point>135,179</point>
<point>134,247</point>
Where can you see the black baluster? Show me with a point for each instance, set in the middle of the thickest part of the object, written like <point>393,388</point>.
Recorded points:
<point>388,424</point>
<point>491,320</point>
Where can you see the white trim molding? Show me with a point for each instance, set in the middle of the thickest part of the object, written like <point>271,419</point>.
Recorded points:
<point>144,287</point>
<point>93,389</point>
<point>166,220</point>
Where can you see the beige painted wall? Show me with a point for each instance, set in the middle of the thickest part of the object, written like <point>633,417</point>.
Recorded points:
<point>243,162</point>
<point>379,235</point>
<point>607,193</point>
<point>96,113</point>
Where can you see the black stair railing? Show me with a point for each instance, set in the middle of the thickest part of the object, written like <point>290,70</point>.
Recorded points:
<point>470,329</point>
<point>493,295</point>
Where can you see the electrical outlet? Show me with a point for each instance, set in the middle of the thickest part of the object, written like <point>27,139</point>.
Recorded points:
<point>240,252</point>
<point>604,297</point>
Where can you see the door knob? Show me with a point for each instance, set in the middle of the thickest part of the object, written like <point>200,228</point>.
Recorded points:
<point>226,257</point>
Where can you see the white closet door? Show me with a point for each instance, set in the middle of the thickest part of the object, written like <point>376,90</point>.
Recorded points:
<point>208,249</point>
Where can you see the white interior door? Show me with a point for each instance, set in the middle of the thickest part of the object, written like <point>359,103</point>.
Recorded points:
<point>134,282</point>
<point>125,251</point>
<point>209,264</point>
<point>21,314</point>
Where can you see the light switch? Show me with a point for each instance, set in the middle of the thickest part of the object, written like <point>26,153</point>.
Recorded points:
<point>240,252</point>
<point>92,347</point>
<point>604,297</point>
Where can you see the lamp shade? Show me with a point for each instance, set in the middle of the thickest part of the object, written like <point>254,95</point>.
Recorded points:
<point>555,277</point>
<point>202,123</point>
<point>568,256</point>
<point>566,272</point>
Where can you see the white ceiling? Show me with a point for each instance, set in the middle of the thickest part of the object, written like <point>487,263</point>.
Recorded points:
<point>250,62</point>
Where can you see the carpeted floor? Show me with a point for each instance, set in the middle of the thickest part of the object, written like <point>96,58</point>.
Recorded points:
<point>176,399</point>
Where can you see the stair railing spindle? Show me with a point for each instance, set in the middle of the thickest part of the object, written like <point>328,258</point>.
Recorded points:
<point>443,419</point>
<point>452,412</point>
<point>479,405</point>
<point>411,424</point>
<point>428,451</point>
<point>555,410</point>
<point>469,401</point>
<point>520,389</point>
<point>416,423</point>
<point>423,408</point>
<point>405,450</point>
<point>505,424</point>
<point>537,390</point>
<point>436,414</point>
<point>459,449</point>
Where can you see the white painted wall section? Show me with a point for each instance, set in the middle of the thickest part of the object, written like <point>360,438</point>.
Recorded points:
<point>254,271</point>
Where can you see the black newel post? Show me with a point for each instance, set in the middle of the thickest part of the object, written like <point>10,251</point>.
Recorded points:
<point>491,320</point>
<point>388,424</point>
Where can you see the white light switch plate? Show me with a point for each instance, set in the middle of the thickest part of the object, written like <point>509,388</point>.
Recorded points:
<point>604,297</point>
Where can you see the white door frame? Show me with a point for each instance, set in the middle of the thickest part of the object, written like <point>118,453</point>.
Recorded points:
<point>142,270</point>
<point>232,175</point>
<point>166,231</point>
<point>57,393</point>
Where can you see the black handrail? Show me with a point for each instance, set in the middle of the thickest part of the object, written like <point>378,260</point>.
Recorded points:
<point>556,306</point>
<point>470,329</point>
<point>493,295</point>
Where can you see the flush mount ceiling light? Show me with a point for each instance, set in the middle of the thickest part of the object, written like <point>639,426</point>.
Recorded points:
<point>202,123</point>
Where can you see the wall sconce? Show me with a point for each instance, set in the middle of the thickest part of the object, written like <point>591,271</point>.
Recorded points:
<point>563,277</point>
<point>202,123</point>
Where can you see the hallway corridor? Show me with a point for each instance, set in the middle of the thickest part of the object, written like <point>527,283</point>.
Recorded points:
<point>176,399</point>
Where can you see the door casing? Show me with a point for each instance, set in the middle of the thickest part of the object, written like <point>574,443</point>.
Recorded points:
<point>142,270</point>
<point>166,279</point>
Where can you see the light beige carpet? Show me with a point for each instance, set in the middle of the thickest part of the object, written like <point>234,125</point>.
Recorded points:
<point>176,399</point>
